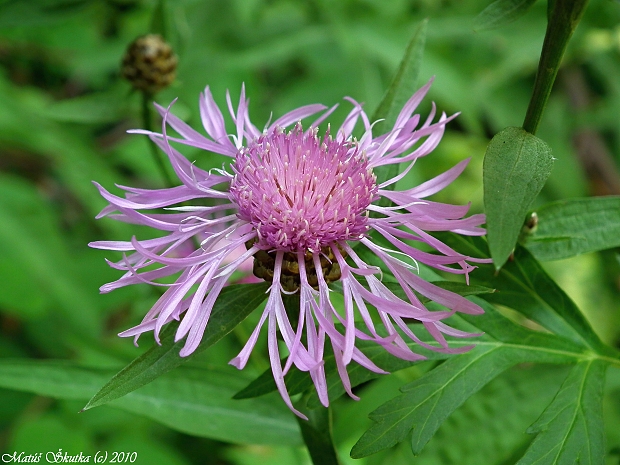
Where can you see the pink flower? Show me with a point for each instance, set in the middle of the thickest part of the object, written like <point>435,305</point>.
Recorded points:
<point>298,200</point>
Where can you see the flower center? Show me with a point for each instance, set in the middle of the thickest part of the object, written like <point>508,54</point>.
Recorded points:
<point>301,192</point>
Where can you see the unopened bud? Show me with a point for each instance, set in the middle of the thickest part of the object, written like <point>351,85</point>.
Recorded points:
<point>149,63</point>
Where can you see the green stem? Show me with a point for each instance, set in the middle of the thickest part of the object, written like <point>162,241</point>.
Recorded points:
<point>158,156</point>
<point>317,435</point>
<point>562,20</point>
<point>317,430</point>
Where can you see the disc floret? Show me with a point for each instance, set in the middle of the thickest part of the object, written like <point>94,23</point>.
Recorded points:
<point>302,192</point>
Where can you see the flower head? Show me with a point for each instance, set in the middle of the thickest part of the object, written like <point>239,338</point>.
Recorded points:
<point>298,200</point>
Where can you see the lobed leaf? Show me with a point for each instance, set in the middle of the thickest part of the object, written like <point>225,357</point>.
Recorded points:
<point>488,428</point>
<point>428,401</point>
<point>572,227</point>
<point>516,166</point>
<point>233,305</point>
<point>570,430</point>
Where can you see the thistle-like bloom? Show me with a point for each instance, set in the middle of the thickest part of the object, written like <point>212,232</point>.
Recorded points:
<point>298,200</point>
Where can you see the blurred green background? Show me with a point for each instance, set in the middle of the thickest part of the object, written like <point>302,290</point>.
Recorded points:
<point>64,110</point>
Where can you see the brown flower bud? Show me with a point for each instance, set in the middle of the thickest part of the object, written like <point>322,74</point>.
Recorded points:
<point>149,63</point>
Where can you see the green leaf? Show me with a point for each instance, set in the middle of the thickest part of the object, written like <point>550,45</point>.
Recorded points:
<point>263,384</point>
<point>405,82</point>
<point>571,227</point>
<point>402,87</point>
<point>428,401</point>
<point>500,13</point>
<point>570,430</point>
<point>102,107</point>
<point>523,285</point>
<point>452,286</point>
<point>488,428</point>
<point>516,166</point>
<point>59,379</point>
<point>193,401</point>
<point>232,306</point>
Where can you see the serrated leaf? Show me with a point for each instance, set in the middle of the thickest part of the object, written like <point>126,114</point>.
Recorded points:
<point>516,166</point>
<point>233,305</point>
<point>570,430</point>
<point>500,13</point>
<point>571,227</point>
<point>193,401</point>
<point>428,401</point>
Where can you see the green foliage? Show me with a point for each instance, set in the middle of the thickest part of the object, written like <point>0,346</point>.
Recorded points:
<point>516,166</point>
<point>405,82</point>
<point>428,401</point>
<point>88,109</point>
<point>566,228</point>
<point>513,400</point>
<point>571,427</point>
<point>193,401</point>
<point>403,86</point>
<point>524,286</point>
<point>501,12</point>
<point>230,309</point>
<point>317,434</point>
<point>30,236</point>
<point>64,114</point>
<point>299,382</point>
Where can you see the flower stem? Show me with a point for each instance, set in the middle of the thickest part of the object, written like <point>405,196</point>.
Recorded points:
<point>562,19</point>
<point>317,431</point>
<point>147,121</point>
<point>317,435</point>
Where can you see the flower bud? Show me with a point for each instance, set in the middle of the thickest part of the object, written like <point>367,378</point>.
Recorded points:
<point>149,63</point>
